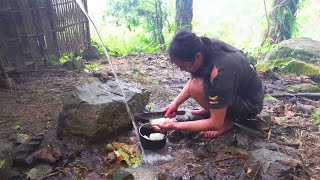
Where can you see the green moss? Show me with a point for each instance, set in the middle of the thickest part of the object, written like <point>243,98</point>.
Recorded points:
<point>305,87</point>
<point>302,68</point>
<point>282,62</point>
<point>303,49</point>
<point>270,99</point>
<point>263,66</point>
<point>62,59</point>
<point>91,67</point>
<point>296,66</point>
<point>5,159</point>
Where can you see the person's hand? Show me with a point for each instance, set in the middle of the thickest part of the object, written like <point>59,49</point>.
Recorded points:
<point>171,110</point>
<point>164,127</point>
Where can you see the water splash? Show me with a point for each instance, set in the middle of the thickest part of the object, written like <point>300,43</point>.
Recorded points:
<point>153,158</point>
<point>79,2</point>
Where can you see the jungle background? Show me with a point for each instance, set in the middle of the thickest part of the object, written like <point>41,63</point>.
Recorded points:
<point>53,113</point>
<point>129,27</point>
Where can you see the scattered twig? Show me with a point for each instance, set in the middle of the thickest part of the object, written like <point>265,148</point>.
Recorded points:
<point>251,131</point>
<point>269,134</point>
<point>271,86</point>
<point>22,128</point>
<point>225,159</point>
<point>219,168</point>
<point>43,70</point>
<point>65,171</point>
<point>295,145</point>
<point>49,175</point>
<point>265,136</point>
<point>258,169</point>
<point>297,95</point>
<point>312,102</point>
<point>4,121</point>
<point>308,94</point>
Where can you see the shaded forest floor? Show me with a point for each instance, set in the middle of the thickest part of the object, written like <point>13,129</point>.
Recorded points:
<point>35,103</point>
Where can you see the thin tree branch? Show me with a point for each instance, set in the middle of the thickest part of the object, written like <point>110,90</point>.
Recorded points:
<point>268,23</point>
<point>148,2</point>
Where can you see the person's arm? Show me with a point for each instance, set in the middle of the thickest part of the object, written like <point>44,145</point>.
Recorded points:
<point>214,123</point>
<point>184,94</point>
<point>220,96</point>
<point>182,97</point>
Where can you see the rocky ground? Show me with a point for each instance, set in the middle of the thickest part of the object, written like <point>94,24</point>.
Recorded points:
<point>288,150</point>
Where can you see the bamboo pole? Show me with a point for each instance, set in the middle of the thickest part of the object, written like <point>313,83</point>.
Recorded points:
<point>87,34</point>
<point>5,75</point>
<point>39,33</point>
<point>53,29</point>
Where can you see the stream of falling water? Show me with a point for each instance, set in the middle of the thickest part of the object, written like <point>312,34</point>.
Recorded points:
<point>79,2</point>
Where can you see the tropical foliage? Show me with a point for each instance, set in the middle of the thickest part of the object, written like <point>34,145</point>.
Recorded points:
<point>146,26</point>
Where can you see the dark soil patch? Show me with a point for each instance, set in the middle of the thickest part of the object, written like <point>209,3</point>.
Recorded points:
<point>36,101</point>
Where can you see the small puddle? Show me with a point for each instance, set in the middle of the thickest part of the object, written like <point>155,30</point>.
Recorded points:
<point>154,158</point>
<point>172,159</point>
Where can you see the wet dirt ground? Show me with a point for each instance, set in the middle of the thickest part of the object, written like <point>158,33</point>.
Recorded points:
<point>35,103</point>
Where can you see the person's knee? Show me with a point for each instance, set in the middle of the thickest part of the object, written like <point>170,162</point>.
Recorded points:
<point>196,87</point>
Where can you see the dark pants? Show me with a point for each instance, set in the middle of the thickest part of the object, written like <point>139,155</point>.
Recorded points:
<point>243,111</point>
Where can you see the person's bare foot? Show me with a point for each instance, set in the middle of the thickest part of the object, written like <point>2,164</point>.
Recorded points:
<point>200,112</point>
<point>213,134</point>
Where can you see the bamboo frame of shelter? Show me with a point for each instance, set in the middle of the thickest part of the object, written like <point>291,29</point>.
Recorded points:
<point>33,30</point>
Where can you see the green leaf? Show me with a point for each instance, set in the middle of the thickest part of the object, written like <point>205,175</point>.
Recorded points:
<point>133,160</point>
<point>127,153</point>
<point>137,72</point>
<point>16,127</point>
<point>91,67</point>
<point>316,117</point>
<point>315,121</point>
<point>54,59</point>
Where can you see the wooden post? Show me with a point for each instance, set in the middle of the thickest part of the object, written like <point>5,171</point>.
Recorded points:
<point>6,82</point>
<point>17,52</point>
<point>53,28</point>
<point>39,33</point>
<point>87,34</point>
<point>5,75</point>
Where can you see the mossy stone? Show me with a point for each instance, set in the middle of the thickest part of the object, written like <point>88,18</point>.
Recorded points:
<point>305,87</point>
<point>5,159</point>
<point>304,49</point>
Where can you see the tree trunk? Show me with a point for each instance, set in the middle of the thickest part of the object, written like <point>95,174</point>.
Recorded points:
<point>283,20</point>
<point>184,14</point>
<point>159,23</point>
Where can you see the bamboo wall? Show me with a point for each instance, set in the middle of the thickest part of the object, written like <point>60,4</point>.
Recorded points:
<point>32,30</point>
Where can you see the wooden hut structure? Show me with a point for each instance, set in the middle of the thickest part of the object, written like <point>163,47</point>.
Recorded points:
<point>32,30</point>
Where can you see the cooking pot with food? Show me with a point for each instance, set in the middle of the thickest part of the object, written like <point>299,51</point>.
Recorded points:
<point>151,139</point>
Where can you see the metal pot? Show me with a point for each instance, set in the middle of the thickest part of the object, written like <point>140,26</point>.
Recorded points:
<point>147,129</point>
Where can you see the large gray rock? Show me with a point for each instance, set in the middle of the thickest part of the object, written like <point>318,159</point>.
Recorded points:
<point>273,163</point>
<point>304,49</point>
<point>5,159</point>
<point>98,110</point>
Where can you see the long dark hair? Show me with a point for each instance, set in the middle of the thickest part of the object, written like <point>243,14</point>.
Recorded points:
<point>185,45</point>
